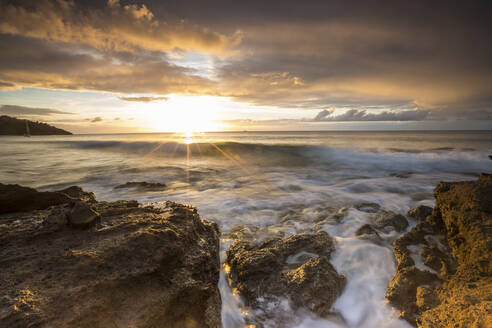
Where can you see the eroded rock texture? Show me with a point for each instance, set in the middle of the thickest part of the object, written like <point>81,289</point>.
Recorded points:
<point>443,276</point>
<point>297,267</point>
<point>131,266</point>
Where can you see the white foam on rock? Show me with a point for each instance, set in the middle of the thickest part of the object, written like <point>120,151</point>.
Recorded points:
<point>416,255</point>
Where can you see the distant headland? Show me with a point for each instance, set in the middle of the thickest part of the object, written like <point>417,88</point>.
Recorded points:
<point>17,127</point>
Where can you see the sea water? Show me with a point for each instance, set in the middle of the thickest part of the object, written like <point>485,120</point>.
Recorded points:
<point>268,184</point>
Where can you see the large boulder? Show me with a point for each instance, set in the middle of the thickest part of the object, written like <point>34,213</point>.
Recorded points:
<point>443,276</point>
<point>297,267</point>
<point>133,267</point>
<point>15,198</point>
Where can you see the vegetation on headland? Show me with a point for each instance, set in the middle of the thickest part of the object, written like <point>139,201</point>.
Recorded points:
<point>17,127</point>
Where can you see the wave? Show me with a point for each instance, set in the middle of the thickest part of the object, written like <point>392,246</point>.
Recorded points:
<point>408,161</point>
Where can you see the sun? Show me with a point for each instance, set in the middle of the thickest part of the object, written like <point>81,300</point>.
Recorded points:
<point>183,114</point>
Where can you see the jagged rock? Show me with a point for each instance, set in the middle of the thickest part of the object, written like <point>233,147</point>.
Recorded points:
<point>15,198</point>
<point>367,231</point>
<point>297,266</point>
<point>315,285</point>
<point>402,290</point>
<point>143,185</point>
<point>137,267</point>
<point>420,212</point>
<point>385,219</point>
<point>78,193</point>
<point>456,242</point>
<point>81,215</point>
<point>384,222</point>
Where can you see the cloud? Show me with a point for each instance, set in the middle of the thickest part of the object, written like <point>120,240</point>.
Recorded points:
<point>7,85</point>
<point>361,115</point>
<point>144,99</point>
<point>22,110</point>
<point>384,55</point>
<point>113,26</point>
<point>34,63</point>
<point>96,119</point>
<point>321,115</point>
<point>328,55</point>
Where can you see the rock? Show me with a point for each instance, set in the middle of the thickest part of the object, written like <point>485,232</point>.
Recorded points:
<point>77,193</point>
<point>297,267</point>
<point>143,185</point>
<point>315,285</point>
<point>456,242</point>
<point>420,212</point>
<point>385,219</point>
<point>81,215</point>
<point>367,207</point>
<point>15,198</point>
<point>426,298</point>
<point>402,290</point>
<point>367,231</point>
<point>137,267</point>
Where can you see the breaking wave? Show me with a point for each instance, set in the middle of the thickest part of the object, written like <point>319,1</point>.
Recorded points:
<point>443,159</point>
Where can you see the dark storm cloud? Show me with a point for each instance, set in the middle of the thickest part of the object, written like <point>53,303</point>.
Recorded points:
<point>22,110</point>
<point>338,62</point>
<point>144,99</point>
<point>398,56</point>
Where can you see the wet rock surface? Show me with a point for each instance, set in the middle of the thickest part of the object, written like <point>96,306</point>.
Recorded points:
<point>387,220</point>
<point>443,276</point>
<point>297,267</point>
<point>380,222</point>
<point>133,267</point>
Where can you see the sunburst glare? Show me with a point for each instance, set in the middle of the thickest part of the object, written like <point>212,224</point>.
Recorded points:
<point>183,114</point>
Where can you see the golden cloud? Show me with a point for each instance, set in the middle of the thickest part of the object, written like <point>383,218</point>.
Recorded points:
<point>114,27</point>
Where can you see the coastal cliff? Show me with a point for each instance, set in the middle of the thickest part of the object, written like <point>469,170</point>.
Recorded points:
<point>75,262</point>
<point>17,127</point>
<point>444,267</point>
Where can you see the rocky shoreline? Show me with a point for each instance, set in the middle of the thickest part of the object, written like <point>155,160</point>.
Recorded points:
<point>444,267</point>
<point>72,261</point>
<point>69,260</point>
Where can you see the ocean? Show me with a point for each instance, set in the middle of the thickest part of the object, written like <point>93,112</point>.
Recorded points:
<point>269,184</point>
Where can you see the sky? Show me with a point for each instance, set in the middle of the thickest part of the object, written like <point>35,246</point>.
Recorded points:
<point>193,65</point>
